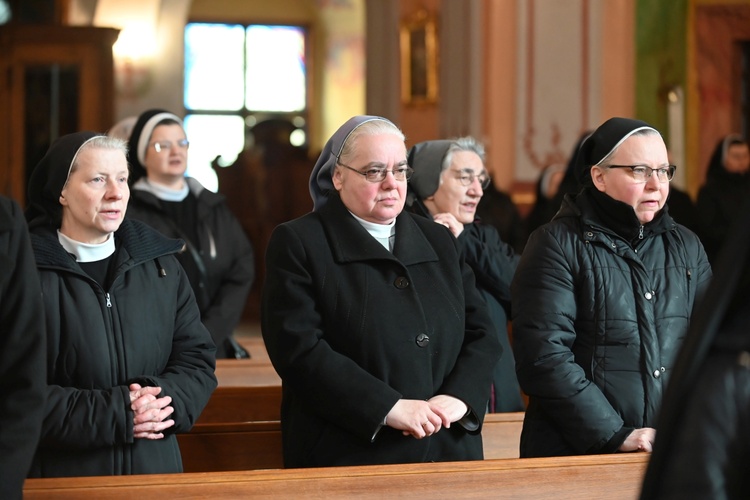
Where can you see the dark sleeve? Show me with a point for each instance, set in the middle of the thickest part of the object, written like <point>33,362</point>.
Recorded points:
<point>227,305</point>
<point>712,222</point>
<point>471,377</point>
<point>87,418</point>
<point>493,261</point>
<point>22,347</point>
<point>709,446</point>
<point>189,376</point>
<point>544,312</point>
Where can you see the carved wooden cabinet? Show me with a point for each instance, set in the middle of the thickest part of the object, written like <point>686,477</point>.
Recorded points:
<point>54,80</point>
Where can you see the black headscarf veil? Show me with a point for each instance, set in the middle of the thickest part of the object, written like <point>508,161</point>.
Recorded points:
<point>702,333</point>
<point>426,158</point>
<point>141,135</point>
<point>49,177</point>
<point>603,142</point>
<point>570,182</point>
<point>321,182</point>
<point>716,168</point>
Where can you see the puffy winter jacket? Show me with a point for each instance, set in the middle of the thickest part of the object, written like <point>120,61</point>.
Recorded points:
<point>144,328</point>
<point>598,316</point>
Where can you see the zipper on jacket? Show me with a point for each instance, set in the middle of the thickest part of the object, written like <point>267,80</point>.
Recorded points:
<point>109,302</point>
<point>640,233</point>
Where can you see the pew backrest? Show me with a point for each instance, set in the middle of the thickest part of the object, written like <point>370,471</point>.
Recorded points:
<point>614,477</point>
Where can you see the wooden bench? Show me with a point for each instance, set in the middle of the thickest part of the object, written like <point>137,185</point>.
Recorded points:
<point>245,373</point>
<point>613,477</point>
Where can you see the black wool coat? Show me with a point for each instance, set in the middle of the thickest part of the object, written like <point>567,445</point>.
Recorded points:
<point>224,249</point>
<point>22,347</point>
<point>597,323</point>
<point>352,328</point>
<point>145,328</point>
<point>494,263</point>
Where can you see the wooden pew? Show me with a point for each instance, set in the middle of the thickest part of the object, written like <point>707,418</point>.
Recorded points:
<point>245,373</point>
<point>223,446</point>
<point>614,477</point>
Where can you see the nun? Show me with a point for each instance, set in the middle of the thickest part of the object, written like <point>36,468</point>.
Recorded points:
<point>602,299</point>
<point>129,363</point>
<point>372,319</point>
<point>726,188</point>
<point>703,447</point>
<point>448,183</point>
<point>218,257</point>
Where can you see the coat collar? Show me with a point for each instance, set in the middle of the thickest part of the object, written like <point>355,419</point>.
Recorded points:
<point>350,242</point>
<point>140,242</point>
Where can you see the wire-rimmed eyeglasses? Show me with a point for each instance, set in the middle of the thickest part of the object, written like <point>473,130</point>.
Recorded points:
<point>466,177</point>
<point>400,172</point>
<point>642,173</point>
<point>160,146</point>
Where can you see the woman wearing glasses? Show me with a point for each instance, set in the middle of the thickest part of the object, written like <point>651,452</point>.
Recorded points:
<point>217,257</point>
<point>448,183</point>
<point>602,299</point>
<point>128,363</point>
<point>372,319</point>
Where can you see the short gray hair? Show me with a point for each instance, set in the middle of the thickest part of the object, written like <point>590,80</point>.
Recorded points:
<point>99,142</point>
<point>467,143</point>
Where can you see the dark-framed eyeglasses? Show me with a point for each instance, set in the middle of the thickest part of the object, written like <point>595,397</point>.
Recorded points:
<point>642,173</point>
<point>400,172</point>
<point>467,176</point>
<point>160,146</point>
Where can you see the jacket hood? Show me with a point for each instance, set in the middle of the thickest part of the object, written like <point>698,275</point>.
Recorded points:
<point>140,137</point>
<point>321,181</point>
<point>49,177</point>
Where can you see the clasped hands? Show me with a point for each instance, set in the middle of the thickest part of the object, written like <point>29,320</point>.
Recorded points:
<point>151,412</point>
<point>424,418</point>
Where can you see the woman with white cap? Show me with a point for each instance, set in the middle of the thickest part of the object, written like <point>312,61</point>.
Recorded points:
<point>372,319</point>
<point>129,363</point>
<point>602,298</point>
<point>217,257</point>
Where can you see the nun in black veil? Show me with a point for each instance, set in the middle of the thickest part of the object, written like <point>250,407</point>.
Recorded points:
<point>702,449</point>
<point>602,299</point>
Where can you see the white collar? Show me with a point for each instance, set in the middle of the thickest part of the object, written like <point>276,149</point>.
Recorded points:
<point>162,192</point>
<point>87,252</point>
<point>385,234</point>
